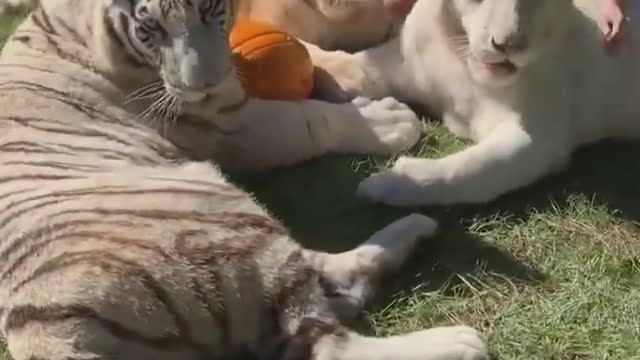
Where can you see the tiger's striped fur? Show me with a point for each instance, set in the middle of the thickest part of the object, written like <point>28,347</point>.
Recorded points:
<point>115,244</point>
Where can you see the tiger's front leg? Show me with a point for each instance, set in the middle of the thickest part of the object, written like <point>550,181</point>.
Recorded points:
<point>263,134</point>
<point>341,76</point>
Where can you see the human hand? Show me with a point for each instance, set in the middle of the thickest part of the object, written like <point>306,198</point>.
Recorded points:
<point>399,8</point>
<point>611,22</point>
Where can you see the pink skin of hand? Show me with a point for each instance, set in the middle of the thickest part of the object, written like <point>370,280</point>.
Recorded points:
<point>399,8</point>
<point>611,21</point>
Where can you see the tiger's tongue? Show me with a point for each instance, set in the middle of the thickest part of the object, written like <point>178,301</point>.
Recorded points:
<point>399,8</point>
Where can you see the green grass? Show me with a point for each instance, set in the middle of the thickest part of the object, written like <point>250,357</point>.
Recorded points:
<point>549,272</point>
<point>9,22</point>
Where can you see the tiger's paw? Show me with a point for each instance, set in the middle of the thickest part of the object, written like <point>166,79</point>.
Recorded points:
<point>453,343</point>
<point>396,127</point>
<point>410,182</point>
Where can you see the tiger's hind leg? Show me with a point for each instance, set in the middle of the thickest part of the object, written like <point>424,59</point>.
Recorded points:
<point>101,305</point>
<point>350,278</point>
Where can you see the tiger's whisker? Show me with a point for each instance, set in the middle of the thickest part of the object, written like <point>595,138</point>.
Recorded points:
<point>144,91</point>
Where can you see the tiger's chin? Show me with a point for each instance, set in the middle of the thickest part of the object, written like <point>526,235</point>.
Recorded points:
<point>213,99</point>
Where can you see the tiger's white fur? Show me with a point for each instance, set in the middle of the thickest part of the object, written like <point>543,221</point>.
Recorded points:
<point>566,92</point>
<point>116,245</point>
<point>330,24</point>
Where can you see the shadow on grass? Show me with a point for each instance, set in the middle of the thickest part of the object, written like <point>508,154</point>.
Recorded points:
<point>316,201</point>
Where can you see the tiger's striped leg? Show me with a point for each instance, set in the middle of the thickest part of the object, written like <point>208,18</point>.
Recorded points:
<point>350,278</point>
<point>265,134</point>
<point>352,275</point>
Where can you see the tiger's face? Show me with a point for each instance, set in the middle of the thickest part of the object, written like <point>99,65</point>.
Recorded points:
<point>498,38</point>
<point>185,40</point>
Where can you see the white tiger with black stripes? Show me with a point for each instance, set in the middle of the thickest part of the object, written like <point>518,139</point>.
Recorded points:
<point>116,245</point>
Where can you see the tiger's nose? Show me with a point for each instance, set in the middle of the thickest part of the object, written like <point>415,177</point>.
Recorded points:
<point>510,44</point>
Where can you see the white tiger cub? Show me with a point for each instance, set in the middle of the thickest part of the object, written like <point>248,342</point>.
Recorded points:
<point>116,245</point>
<point>528,81</point>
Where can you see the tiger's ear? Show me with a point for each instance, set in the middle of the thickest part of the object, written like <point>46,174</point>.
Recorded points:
<point>119,5</point>
<point>116,8</point>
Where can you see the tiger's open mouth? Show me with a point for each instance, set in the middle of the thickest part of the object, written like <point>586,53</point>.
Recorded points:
<point>493,71</point>
<point>501,68</point>
<point>496,71</point>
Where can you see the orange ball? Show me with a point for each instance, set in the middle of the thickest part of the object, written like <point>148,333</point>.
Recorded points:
<point>272,64</point>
